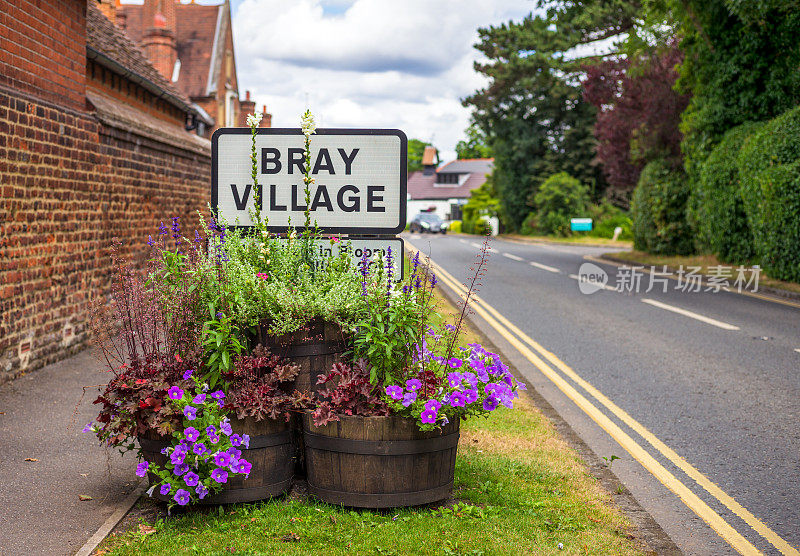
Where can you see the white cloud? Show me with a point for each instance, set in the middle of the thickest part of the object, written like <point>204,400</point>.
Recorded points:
<point>367,63</point>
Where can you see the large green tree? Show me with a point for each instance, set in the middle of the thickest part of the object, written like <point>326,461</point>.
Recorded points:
<point>475,145</point>
<point>533,111</point>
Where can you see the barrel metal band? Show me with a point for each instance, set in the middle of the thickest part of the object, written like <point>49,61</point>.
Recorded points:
<point>380,447</point>
<point>234,495</point>
<point>382,500</point>
<point>256,442</point>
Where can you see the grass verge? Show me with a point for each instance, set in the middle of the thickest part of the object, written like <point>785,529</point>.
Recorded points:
<point>579,240</point>
<point>702,261</point>
<point>519,489</point>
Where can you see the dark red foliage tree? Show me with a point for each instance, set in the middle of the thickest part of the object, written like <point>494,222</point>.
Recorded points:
<point>638,116</point>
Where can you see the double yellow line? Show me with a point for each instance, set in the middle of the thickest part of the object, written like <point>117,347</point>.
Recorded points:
<point>519,339</point>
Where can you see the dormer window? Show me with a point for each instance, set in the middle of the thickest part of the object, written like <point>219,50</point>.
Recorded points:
<point>451,179</point>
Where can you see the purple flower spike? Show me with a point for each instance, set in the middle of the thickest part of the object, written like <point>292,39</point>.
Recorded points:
<point>188,374</point>
<point>428,416</point>
<point>175,393</point>
<point>190,413</point>
<point>191,434</point>
<point>141,469</point>
<point>150,241</point>
<point>413,385</point>
<point>220,475</point>
<point>395,392</point>
<point>457,399</point>
<point>409,398</point>
<point>162,229</point>
<point>490,403</point>
<point>191,479</point>
<point>182,497</point>
<point>165,488</point>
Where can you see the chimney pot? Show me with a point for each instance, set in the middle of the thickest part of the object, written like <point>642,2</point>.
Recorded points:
<point>247,95</point>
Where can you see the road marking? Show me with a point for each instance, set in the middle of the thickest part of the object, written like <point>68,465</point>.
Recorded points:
<point>512,257</point>
<point>690,314</point>
<point>604,286</point>
<point>476,245</point>
<point>797,350</point>
<point>463,241</point>
<point>544,267</point>
<point>714,520</point>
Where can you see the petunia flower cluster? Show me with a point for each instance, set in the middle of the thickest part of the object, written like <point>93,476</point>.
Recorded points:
<point>476,383</point>
<point>204,455</point>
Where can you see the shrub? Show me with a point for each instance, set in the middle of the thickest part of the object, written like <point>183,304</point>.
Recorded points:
<point>770,188</point>
<point>454,227</point>
<point>659,211</point>
<point>606,218</point>
<point>477,227</point>
<point>560,198</point>
<point>718,211</point>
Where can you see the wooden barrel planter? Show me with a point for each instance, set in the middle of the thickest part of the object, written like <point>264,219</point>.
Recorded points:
<point>270,454</point>
<point>315,348</point>
<point>379,462</point>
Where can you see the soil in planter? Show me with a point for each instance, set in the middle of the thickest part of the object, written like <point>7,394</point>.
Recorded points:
<point>271,454</point>
<point>379,462</point>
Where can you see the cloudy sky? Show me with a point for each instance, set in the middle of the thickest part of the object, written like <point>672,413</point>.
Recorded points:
<point>367,63</point>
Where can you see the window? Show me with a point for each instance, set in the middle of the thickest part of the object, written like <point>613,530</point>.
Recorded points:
<point>230,109</point>
<point>447,179</point>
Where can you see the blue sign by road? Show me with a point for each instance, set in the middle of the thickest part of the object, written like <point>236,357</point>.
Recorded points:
<point>580,224</point>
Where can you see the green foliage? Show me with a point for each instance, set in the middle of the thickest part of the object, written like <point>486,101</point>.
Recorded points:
<point>475,145</point>
<point>560,198</point>
<point>222,343</point>
<point>606,218</point>
<point>768,165</point>
<point>415,150</point>
<point>659,211</point>
<point>716,208</point>
<point>482,203</point>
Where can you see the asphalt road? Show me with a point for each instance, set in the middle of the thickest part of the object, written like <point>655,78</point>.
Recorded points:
<point>719,385</point>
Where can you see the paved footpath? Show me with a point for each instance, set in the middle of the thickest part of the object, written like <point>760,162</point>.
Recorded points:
<point>40,507</point>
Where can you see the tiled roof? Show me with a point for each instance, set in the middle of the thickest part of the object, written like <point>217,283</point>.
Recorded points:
<point>196,27</point>
<point>113,43</point>
<point>421,186</point>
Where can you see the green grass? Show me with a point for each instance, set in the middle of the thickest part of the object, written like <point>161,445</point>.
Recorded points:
<point>583,240</point>
<point>519,489</point>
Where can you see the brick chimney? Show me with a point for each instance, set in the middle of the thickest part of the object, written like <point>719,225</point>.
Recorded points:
<point>429,160</point>
<point>246,107</point>
<point>266,121</point>
<point>158,39</point>
<point>109,9</point>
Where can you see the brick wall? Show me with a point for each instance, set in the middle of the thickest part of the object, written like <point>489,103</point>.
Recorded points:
<point>69,185</point>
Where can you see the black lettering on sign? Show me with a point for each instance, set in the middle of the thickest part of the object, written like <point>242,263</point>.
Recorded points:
<point>355,201</point>
<point>372,198</point>
<point>295,206</point>
<point>270,156</point>
<point>296,158</point>
<point>273,194</point>
<point>348,160</point>
<point>322,191</point>
<point>326,164</point>
<point>241,202</point>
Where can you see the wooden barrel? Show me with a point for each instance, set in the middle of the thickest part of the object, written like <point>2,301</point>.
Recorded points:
<point>315,348</point>
<point>270,454</point>
<point>379,462</point>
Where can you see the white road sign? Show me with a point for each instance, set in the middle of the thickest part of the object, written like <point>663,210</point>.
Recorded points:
<point>360,178</point>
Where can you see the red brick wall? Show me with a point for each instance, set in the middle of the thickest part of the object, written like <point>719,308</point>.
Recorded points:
<point>69,185</point>
<point>43,49</point>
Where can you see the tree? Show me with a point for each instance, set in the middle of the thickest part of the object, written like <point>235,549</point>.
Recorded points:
<point>415,150</point>
<point>533,111</point>
<point>560,198</point>
<point>475,145</point>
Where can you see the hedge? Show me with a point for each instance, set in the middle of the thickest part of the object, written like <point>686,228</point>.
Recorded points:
<point>560,198</point>
<point>659,211</point>
<point>720,216</point>
<point>770,188</point>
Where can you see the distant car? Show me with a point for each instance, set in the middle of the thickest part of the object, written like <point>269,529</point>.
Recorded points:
<point>427,222</point>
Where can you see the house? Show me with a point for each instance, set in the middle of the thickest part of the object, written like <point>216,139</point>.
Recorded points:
<point>446,189</point>
<point>192,46</point>
<point>95,144</point>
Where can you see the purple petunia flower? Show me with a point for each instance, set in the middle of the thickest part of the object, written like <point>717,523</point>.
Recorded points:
<point>202,491</point>
<point>213,438</point>
<point>236,440</point>
<point>457,399</point>
<point>493,389</point>
<point>470,395</point>
<point>191,434</point>
<point>188,374</point>
<point>490,403</point>
<point>455,363</point>
<point>180,469</point>
<point>141,469</point>
<point>165,488</point>
<point>243,467</point>
<point>222,459</point>
<point>246,440</point>
<point>454,379</point>
<point>395,392</point>
<point>428,416</point>
<point>470,378</point>
<point>211,429</point>
<point>199,449</point>
<point>522,386</point>
<point>450,327</point>
<point>191,479</point>
<point>175,393</point>
<point>177,456</point>
<point>182,497</point>
<point>225,427</point>
<point>190,412</point>
<point>220,475</point>
<point>218,395</point>
<point>234,453</point>
<point>199,398</point>
<point>433,404</point>
<point>88,427</point>
<point>413,385</point>
<point>409,398</point>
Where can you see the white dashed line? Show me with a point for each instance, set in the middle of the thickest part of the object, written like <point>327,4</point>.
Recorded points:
<point>797,350</point>
<point>544,267</point>
<point>605,287</point>
<point>463,241</point>
<point>685,313</point>
<point>512,257</point>
<point>476,245</point>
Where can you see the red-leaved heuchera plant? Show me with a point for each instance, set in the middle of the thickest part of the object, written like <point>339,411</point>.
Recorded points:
<point>353,394</point>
